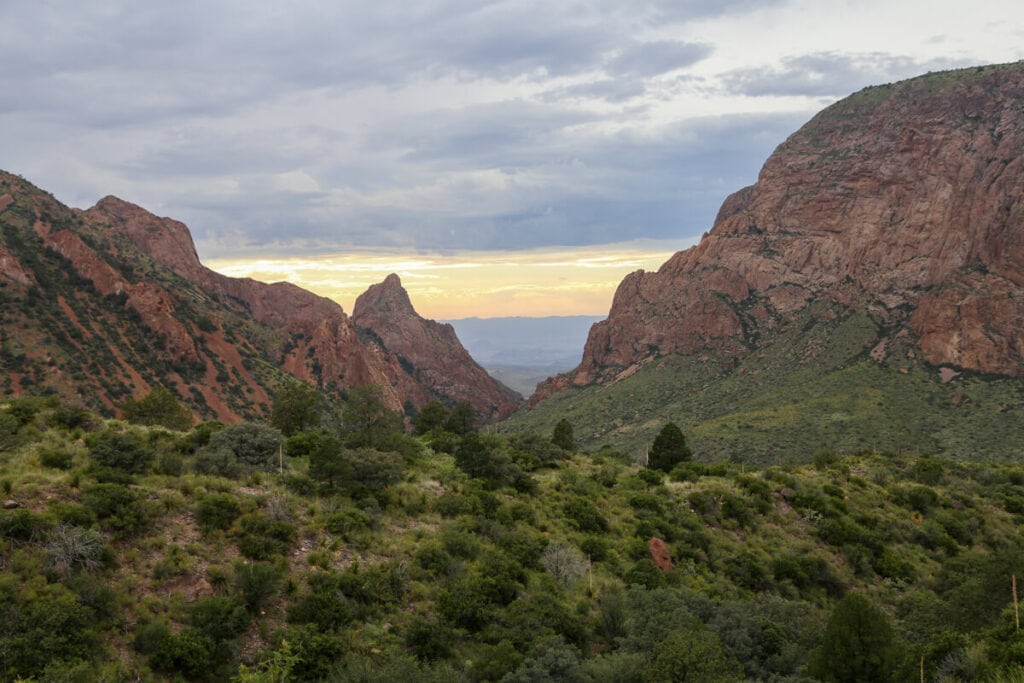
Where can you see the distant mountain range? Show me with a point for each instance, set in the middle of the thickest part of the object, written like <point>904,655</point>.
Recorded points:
<point>523,351</point>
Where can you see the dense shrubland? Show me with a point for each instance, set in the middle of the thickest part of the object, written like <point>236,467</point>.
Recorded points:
<point>339,547</point>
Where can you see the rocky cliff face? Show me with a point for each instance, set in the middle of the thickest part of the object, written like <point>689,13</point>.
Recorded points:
<point>905,200</point>
<point>117,278</point>
<point>430,350</point>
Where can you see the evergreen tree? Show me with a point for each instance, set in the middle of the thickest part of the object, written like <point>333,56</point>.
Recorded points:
<point>857,644</point>
<point>563,436</point>
<point>669,449</point>
<point>296,409</point>
<point>462,419</point>
<point>366,419</point>
<point>432,416</point>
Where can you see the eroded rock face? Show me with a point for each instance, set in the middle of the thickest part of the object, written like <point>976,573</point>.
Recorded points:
<point>906,197</point>
<point>443,367</point>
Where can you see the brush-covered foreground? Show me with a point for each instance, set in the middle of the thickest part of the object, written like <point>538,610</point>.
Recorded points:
<point>357,553</point>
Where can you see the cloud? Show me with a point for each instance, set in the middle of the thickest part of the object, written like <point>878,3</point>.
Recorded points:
<point>831,74</point>
<point>434,125</point>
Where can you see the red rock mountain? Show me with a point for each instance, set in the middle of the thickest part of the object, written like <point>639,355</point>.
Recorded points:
<point>106,303</point>
<point>903,199</point>
<point>429,350</point>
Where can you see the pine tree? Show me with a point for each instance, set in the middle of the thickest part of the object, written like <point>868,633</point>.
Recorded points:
<point>857,644</point>
<point>563,436</point>
<point>669,449</point>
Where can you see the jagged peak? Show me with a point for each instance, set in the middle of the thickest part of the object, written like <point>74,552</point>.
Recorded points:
<point>387,296</point>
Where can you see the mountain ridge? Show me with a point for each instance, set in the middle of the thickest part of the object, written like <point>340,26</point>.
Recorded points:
<point>223,344</point>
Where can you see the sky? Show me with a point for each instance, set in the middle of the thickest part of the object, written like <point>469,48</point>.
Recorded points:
<point>514,157</point>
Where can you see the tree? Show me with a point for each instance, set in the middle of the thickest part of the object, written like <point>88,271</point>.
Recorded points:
<point>296,408</point>
<point>857,644</point>
<point>563,436</point>
<point>366,419</point>
<point>432,416</point>
<point>159,407</point>
<point>693,654</point>
<point>462,419</point>
<point>669,449</point>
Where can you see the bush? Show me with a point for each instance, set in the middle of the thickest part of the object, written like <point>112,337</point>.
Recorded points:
<point>255,446</point>
<point>324,606</point>
<point>120,509</point>
<point>189,652</point>
<point>429,640</point>
<point>585,516</point>
<point>22,525</point>
<point>257,582</point>
<point>217,511</point>
<point>58,458</point>
<point>218,462</point>
<point>120,451</point>
<point>68,548</point>
<point>564,562</point>
<point>262,538</point>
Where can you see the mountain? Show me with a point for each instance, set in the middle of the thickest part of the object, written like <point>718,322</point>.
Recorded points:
<point>429,351</point>
<point>520,351</point>
<point>104,304</point>
<point>886,234</point>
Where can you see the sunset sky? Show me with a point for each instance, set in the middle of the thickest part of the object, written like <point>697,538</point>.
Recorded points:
<point>504,157</point>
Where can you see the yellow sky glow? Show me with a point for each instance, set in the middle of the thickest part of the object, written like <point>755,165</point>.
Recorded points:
<point>538,282</point>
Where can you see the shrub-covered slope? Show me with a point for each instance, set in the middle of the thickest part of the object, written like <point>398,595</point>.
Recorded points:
<point>360,553</point>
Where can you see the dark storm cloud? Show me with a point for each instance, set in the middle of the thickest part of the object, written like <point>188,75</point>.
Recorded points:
<point>830,74</point>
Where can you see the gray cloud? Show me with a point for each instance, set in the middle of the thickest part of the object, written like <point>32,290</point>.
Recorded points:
<point>440,124</point>
<point>831,74</point>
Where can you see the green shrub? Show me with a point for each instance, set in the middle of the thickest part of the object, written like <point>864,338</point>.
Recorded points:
<point>119,508</point>
<point>324,606</point>
<point>429,640</point>
<point>257,582</point>
<point>121,451</point>
<point>217,511</point>
<point>584,515</point>
<point>189,652</point>
<point>256,446</point>
<point>58,458</point>
<point>262,538</point>
<point>22,525</point>
<point>218,462</point>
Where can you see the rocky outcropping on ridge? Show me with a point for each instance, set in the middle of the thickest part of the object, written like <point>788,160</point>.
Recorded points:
<point>431,350</point>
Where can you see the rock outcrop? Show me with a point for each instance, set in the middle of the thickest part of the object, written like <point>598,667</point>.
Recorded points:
<point>430,351</point>
<point>905,199</point>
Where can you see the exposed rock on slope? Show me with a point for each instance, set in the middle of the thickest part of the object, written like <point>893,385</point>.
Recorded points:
<point>429,350</point>
<point>904,200</point>
<point>112,301</point>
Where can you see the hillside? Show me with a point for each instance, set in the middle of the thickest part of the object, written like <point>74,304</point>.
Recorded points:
<point>104,305</point>
<point>138,553</point>
<point>885,236</point>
